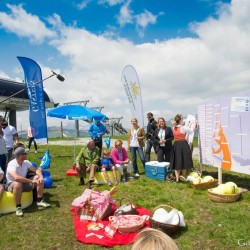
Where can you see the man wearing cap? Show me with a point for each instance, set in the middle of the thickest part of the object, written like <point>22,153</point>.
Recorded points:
<point>96,131</point>
<point>89,158</point>
<point>17,182</point>
<point>10,136</point>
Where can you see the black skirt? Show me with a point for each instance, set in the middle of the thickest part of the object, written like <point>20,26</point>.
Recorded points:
<point>181,157</point>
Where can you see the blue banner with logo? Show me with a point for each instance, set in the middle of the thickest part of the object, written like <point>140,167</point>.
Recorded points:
<point>37,111</point>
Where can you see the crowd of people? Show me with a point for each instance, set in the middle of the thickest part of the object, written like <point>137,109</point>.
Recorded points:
<point>15,169</point>
<point>168,144</point>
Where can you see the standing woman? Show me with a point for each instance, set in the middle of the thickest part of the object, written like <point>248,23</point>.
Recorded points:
<point>181,157</point>
<point>136,137</point>
<point>31,138</point>
<point>163,138</point>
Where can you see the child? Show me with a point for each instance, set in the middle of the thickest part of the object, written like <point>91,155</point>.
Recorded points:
<point>108,164</point>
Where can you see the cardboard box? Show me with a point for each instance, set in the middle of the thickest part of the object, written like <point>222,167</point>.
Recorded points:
<point>157,170</point>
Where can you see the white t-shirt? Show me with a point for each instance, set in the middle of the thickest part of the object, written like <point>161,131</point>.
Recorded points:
<point>161,136</point>
<point>134,142</point>
<point>13,166</point>
<point>9,131</point>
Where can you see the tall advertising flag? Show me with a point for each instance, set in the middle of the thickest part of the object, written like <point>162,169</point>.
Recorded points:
<point>132,88</point>
<point>37,112</point>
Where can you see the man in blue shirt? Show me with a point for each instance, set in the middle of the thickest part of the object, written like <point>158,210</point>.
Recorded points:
<point>96,131</point>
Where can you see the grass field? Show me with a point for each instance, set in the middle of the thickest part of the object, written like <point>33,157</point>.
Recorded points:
<point>209,225</point>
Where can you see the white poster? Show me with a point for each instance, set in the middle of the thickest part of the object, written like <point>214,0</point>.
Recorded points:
<point>132,88</point>
<point>224,133</point>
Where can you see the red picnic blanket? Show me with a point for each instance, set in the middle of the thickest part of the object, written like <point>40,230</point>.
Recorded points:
<point>99,238</point>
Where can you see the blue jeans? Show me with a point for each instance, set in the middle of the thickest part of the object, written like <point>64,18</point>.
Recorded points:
<point>134,158</point>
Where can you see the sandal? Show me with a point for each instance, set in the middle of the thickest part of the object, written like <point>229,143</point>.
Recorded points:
<point>116,182</point>
<point>170,178</point>
<point>109,183</point>
<point>183,179</point>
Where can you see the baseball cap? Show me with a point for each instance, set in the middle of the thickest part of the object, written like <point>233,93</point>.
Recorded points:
<point>19,151</point>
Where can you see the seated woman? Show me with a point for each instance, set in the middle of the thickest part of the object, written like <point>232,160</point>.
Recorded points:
<point>106,165</point>
<point>121,160</point>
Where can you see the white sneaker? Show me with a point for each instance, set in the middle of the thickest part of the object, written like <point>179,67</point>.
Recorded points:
<point>42,203</point>
<point>137,175</point>
<point>19,211</point>
<point>35,151</point>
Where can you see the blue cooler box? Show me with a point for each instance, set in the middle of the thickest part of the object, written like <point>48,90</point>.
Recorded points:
<point>157,170</point>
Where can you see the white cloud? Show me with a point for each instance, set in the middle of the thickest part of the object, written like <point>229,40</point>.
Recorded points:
<point>143,20</point>
<point>110,2</point>
<point>4,75</point>
<point>126,14</point>
<point>176,75</point>
<point>83,4</point>
<point>24,25</point>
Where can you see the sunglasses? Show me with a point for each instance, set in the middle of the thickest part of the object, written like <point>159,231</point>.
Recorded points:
<point>24,154</point>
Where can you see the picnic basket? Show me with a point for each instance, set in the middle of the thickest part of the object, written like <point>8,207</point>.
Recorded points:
<point>224,198</point>
<point>205,185</point>
<point>166,228</point>
<point>129,228</point>
<point>100,201</point>
<point>131,207</point>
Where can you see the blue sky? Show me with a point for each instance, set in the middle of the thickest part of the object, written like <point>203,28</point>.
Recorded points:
<point>184,51</point>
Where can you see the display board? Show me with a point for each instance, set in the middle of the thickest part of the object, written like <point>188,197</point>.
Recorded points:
<point>224,133</point>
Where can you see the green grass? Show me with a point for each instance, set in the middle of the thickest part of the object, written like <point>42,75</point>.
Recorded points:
<point>209,225</point>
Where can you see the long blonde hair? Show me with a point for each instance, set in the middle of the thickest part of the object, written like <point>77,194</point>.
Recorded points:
<point>153,239</point>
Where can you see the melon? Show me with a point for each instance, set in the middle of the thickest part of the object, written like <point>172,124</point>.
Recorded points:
<point>197,180</point>
<point>194,174</point>
<point>208,178</point>
<point>219,189</point>
<point>235,188</point>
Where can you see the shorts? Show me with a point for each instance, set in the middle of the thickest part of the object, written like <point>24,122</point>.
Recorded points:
<point>107,167</point>
<point>26,186</point>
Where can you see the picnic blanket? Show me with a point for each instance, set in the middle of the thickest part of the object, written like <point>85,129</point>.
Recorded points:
<point>98,237</point>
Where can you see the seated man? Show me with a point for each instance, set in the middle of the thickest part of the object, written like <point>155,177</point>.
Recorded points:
<point>89,155</point>
<point>17,182</point>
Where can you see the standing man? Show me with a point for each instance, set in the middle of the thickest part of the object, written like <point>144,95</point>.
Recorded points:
<point>10,136</point>
<point>96,131</point>
<point>89,157</point>
<point>151,127</point>
<point>17,182</point>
